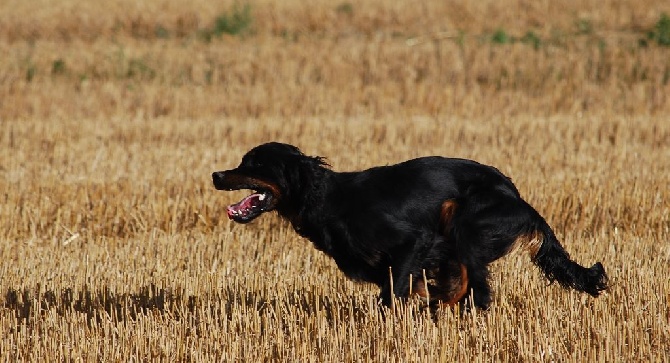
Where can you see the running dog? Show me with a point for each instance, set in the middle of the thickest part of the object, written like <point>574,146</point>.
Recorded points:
<point>428,226</point>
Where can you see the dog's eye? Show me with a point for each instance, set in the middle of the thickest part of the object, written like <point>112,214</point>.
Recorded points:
<point>251,163</point>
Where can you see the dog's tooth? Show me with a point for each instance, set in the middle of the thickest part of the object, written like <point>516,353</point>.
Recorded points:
<point>262,197</point>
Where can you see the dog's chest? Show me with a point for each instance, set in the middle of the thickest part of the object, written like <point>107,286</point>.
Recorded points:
<point>356,259</point>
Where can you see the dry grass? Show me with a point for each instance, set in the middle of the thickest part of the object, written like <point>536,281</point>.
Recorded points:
<point>115,247</point>
<point>91,59</point>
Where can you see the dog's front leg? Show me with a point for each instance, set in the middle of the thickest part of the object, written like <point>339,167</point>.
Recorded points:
<point>398,283</point>
<point>385,295</point>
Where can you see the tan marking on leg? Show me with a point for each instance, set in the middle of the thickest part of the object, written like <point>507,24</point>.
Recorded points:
<point>447,214</point>
<point>458,292</point>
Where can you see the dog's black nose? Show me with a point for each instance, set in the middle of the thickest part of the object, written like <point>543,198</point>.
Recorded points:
<point>217,176</point>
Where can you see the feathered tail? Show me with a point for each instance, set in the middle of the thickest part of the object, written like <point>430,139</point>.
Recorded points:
<point>556,265</point>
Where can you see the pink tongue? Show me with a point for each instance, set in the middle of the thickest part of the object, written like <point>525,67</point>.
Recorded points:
<point>243,206</point>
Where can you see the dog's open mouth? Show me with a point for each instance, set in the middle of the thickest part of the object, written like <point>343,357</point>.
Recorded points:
<point>250,207</point>
<point>264,198</point>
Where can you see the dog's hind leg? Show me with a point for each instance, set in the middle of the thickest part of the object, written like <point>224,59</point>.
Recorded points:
<point>479,290</point>
<point>396,284</point>
<point>473,285</point>
<point>487,225</point>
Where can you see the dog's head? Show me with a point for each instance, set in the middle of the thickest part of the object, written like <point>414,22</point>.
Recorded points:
<point>275,172</point>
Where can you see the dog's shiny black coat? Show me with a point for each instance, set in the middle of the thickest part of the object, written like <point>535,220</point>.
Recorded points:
<point>432,222</point>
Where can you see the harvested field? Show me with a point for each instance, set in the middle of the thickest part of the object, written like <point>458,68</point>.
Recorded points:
<point>115,246</point>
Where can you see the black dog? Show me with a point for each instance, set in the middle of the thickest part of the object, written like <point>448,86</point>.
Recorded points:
<point>428,226</point>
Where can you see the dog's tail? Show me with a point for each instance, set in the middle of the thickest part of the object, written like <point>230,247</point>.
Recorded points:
<point>548,254</point>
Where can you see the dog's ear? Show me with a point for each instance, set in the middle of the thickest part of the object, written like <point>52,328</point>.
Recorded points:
<point>310,170</point>
<point>303,172</point>
<point>315,162</point>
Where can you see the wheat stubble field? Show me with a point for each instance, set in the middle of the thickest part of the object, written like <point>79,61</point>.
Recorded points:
<point>114,246</point>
